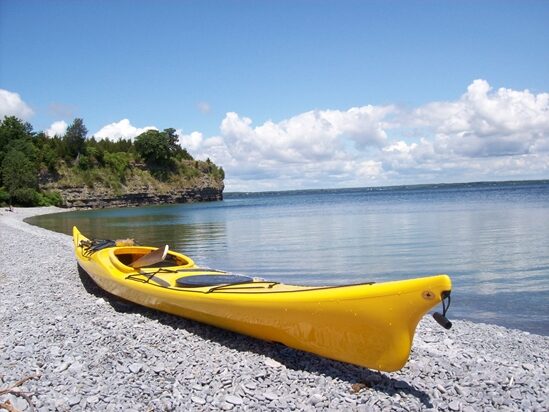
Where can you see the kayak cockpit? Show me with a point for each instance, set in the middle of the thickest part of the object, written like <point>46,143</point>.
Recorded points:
<point>123,258</point>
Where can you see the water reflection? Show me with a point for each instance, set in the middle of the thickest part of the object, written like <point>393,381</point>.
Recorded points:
<point>150,228</point>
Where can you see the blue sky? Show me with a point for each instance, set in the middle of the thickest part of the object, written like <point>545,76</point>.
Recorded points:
<point>266,88</point>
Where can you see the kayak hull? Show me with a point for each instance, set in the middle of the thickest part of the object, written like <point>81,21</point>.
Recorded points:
<point>370,325</point>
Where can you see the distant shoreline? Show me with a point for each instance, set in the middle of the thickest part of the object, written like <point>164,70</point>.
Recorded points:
<point>400,187</point>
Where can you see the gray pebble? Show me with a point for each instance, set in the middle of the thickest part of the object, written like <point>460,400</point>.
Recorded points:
<point>251,385</point>
<point>74,400</point>
<point>198,400</point>
<point>234,399</point>
<point>516,393</point>
<point>62,367</point>
<point>316,398</point>
<point>92,399</point>
<point>158,367</point>
<point>136,367</point>
<point>75,368</point>
<point>272,363</point>
<point>454,405</point>
<point>226,406</point>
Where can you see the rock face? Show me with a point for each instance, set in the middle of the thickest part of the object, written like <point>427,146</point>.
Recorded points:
<point>96,198</point>
<point>184,181</point>
<point>99,196</point>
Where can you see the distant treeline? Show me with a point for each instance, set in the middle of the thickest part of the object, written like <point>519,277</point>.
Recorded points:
<point>26,156</point>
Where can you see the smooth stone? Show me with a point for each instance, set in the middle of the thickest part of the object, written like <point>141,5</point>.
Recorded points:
<point>454,405</point>
<point>92,399</point>
<point>316,398</point>
<point>234,399</point>
<point>74,400</point>
<point>251,385</point>
<point>135,367</point>
<point>272,363</point>
<point>198,400</point>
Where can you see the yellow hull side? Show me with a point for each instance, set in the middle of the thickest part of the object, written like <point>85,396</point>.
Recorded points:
<point>370,325</point>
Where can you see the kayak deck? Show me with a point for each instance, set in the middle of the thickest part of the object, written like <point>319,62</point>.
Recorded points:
<point>172,279</point>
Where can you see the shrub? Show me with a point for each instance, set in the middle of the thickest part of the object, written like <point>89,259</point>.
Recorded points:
<point>118,162</point>
<point>96,154</point>
<point>25,197</point>
<point>85,162</point>
<point>4,197</point>
<point>50,199</point>
<point>188,171</point>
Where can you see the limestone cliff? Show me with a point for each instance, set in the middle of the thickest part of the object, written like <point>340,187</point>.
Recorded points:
<point>101,197</point>
<point>138,187</point>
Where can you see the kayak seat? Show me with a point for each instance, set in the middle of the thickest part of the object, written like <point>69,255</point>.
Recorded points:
<point>197,281</point>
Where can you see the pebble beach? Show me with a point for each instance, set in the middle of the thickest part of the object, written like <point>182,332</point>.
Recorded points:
<point>65,346</point>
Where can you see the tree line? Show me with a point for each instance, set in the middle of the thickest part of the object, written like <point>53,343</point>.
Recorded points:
<point>26,156</point>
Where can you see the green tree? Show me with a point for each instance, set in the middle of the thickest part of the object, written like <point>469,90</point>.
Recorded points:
<point>49,158</point>
<point>20,177</point>
<point>154,147</point>
<point>160,148</point>
<point>75,138</point>
<point>25,146</point>
<point>175,147</point>
<point>13,130</point>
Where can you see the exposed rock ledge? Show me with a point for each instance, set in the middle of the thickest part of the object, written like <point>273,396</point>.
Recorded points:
<point>84,197</point>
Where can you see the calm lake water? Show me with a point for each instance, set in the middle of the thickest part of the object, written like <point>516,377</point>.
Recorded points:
<point>491,238</point>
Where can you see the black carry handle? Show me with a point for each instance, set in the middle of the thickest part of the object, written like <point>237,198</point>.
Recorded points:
<point>442,320</point>
<point>441,317</point>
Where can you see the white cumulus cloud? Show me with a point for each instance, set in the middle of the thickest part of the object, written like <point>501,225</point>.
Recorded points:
<point>192,141</point>
<point>121,130</point>
<point>11,104</point>
<point>311,136</point>
<point>57,128</point>
<point>484,122</point>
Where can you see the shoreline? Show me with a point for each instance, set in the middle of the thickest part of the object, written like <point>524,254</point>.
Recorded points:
<point>91,353</point>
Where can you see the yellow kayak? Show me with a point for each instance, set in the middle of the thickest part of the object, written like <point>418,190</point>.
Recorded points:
<point>368,324</point>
